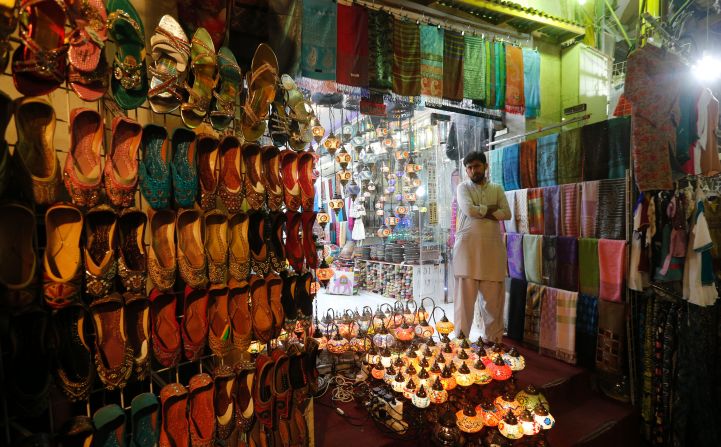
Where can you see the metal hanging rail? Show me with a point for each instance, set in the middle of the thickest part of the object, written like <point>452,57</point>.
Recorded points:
<point>554,126</point>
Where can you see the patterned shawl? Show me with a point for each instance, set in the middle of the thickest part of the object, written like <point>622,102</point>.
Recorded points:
<point>589,208</point>
<point>532,82</point>
<point>516,308</point>
<point>612,271</point>
<point>569,156</point>
<point>589,277</point>
<point>619,146</point>
<point>500,60</point>
<point>473,69</point>
<point>547,337</point>
<point>594,141</point>
<point>551,211</point>
<point>549,267</point>
<point>453,49</point>
<point>528,164</point>
<point>490,74</point>
<point>380,50</point>
<point>514,80</point>
<point>566,303</point>
<point>514,250</point>
<point>586,330</point>
<point>352,63</point>
<point>509,225</point>
<point>547,159</point>
<point>522,211</point>
<point>535,210</point>
<point>406,58</point>
<point>611,336</point>
<point>533,257</point>
<point>318,51</point>
<point>532,320</point>
<point>495,165</point>
<point>511,178</point>
<point>567,263</point>
<point>611,219</point>
<point>570,199</point>
<point>432,61</point>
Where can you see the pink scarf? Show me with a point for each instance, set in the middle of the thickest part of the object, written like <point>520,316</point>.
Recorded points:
<point>612,268</point>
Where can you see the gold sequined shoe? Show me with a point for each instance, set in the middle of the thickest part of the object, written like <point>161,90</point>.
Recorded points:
<point>161,253</point>
<point>99,250</point>
<point>132,259</point>
<point>191,253</point>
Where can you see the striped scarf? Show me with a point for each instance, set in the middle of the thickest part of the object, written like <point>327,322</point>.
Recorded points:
<point>406,58</point>
<point>535,210</point>
<point>473,69</point>
<point>453,49</point>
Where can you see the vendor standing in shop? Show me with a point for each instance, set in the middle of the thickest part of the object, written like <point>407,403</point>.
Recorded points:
<point>479,255</point>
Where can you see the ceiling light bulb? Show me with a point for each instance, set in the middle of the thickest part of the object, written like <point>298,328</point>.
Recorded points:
<point>707,69</point>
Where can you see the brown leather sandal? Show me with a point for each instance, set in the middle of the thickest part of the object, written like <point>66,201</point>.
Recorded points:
<point>271,176</point>
<point>202,410</point>
<point>274,283</point>
<point>225,385</point>
<point>261,312</point>
<point>219,333</point>
<point>174,431</point>
<point>113,354</point>
<point>239,313</point>
<point>239,248</point>
<point>195,322</point>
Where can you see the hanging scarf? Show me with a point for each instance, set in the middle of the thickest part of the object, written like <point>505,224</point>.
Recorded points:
<point>586,330</point>
<point>594,141</point>
<point>473,69</point>
<point>570,199</point>
<point>549,268</point>
<point>611,263</point>
<point>522,211</point>
<point>509,226</point>
<point>532,320</point>
<point>495,165</point>
<point>551,211</point>
<point>533,257</point>
<point>516,308</point>
<point>380,50</point>
<point>514,250</point>
<point>511,179</point>
<point>569,156</point>
<point>567,263</point>
<point>611,336</point>
<point>619,146</point>
<point>352,63</point>
<point>547,335</point>
<point>566,303</point>
<point>528,164</point>
<point>589,208</point>
<point>319,39</point>
<point>406,58</point>
<point>611,219</point>
<point>532,82</point>
<point>588,270</point>
<point>431,61</point>
<point>535,211</point>
<point>547,160</point>
<point>490,92</point>
<point>453,48</point>
<point>514,80</point>
<point>501,75</point>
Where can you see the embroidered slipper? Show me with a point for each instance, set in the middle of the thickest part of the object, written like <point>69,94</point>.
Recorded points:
<point>62,260</point>
<point>244,399</point>
<point>276,248</point>
<point>132,259</point>
<point>231,81</point>
<point>239,248</point>
<point>170,51</point>
<point>113,354</point>
<point>274,284</point>
<point>137,316</point>
<point>166,331</point>
<point>289,173</point>
<point>216,245</point>
<point>73,357</point>
<point>87,40</point>
<point>219,332</point>
<point>78,431</point>
<point>224,378</point>
<point>239,314</point>
<point>19,263</point>
<point>82,173</point>
<point>8,23</point>
<point>184,167</point>
<point>208,166</point>
<point>154,166</point>
<point>162,263</point>
<point>309,249</point>
<point>203,64</point>
<point>273,183</point>
<point>293,244</point>
<point>121,164</point>
<point>89,86</point>
<point>262,81</point>
<point>129,83</point>
<point>261,313</point>
<point>109,424</point>
<point>39,62</point>
<point>202,411</point>
<point>306,160</point>
<point>145,420</point>
<point>192,263</point>
<point>230,182</point>
<point>259,261</point>
<point>195,322</point>
<point>175,429</point>
<point>252,169</point>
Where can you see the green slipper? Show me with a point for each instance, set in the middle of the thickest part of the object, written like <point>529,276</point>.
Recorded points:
<point>203,64</point>
<point>145,418</point>
<point>109,426</point>
<point>129,82</point>
<point>223,106</point>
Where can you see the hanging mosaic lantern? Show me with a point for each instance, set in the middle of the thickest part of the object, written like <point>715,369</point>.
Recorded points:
<point>322,217</point>
<point>324,273</point>
<point>384,232</point>
<point>410,197</point>
<point>401,211</point>
<point>336,203</point>
<point>391,221</point>
<point>380,212</point>
<point>344,177</point>
<point>353,189</point>
<point>401,155</point>
<point>317,130</point>
<point>347,131</point>
<point>417,182</point>
<point>384,168</point>
<point>388,143</point>
<point>343,158</point>
<point>371,186</point>
<point>331,144</point>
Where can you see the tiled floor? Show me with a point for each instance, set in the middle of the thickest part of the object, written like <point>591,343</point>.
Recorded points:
<point>364,298</point>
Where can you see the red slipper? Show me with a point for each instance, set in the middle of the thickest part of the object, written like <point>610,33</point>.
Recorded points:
<point>289,170</point>
<point>39,62</point>
<point>293,246</point>
<point>306,181</point>
<point>166,331</point>
<point>309,250</point>
<point>195,322</point>
<point>263,400</point>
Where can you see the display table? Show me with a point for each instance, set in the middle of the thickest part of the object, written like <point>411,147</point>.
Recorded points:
<point>399,280</point>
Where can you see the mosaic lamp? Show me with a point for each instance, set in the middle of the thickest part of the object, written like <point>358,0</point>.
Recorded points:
<point>438,394</point>
<point>331,144</point>
<point>372,357</point>
<point>324,273</point>
<point>424,378</point>
<point>509,426</point>
<point>399,382</point>
<point>378,371</point>
<point>481,374</point>
<point>404,332</point>
<point>446,432</point>
<point>336,203</point>
<point>444,326</point>
<point>386,357</point>
<point>337,344</point>
<point>543,417</point>
<point>528,424</point>
<point>409,389</point>
<point>506,403</point>
<point>468,420</point>
<point>463,376</point>
<point>389,375</point>
<point>317,129</point>
<point>499,369</point>
<point>421,399</point>
<point>529,398</point>
<point>322,217</point>
<point>489,413</point>
<point>447,379</point>
<point>514,359</point>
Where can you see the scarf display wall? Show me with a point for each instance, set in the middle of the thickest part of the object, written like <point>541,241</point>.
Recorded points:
<point>566,241</point>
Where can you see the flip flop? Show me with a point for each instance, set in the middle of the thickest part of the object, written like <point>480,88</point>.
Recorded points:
<point>262,82</point>
<point>203,64</point>
<point>223,104</point>
<point>170,53</point>
<point>39,62</point>
<point>129,83</point>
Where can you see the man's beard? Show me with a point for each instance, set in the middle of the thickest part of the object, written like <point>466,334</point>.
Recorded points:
<point>477,178</point>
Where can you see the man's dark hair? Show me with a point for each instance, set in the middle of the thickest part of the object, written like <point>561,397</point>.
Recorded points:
<point>474,156</point>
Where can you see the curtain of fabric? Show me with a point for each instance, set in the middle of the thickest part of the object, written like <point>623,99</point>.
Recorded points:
<point>319,39</point>
<point>352,63</point>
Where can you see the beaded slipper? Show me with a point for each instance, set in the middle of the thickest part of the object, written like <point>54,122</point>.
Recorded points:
<point>129,83</point>
<point>154,167</point>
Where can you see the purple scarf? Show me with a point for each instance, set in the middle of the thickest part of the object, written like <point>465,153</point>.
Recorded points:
<point>514,249</point>
<point>551,211</point>
<point>567,263</point>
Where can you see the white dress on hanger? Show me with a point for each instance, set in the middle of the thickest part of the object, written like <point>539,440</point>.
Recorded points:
<point>358,211</point>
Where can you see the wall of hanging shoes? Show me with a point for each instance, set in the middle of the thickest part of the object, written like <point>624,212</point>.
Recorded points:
<point>157,250</point>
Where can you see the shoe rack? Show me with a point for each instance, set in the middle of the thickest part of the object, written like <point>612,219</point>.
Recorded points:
<point>64,100</point>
